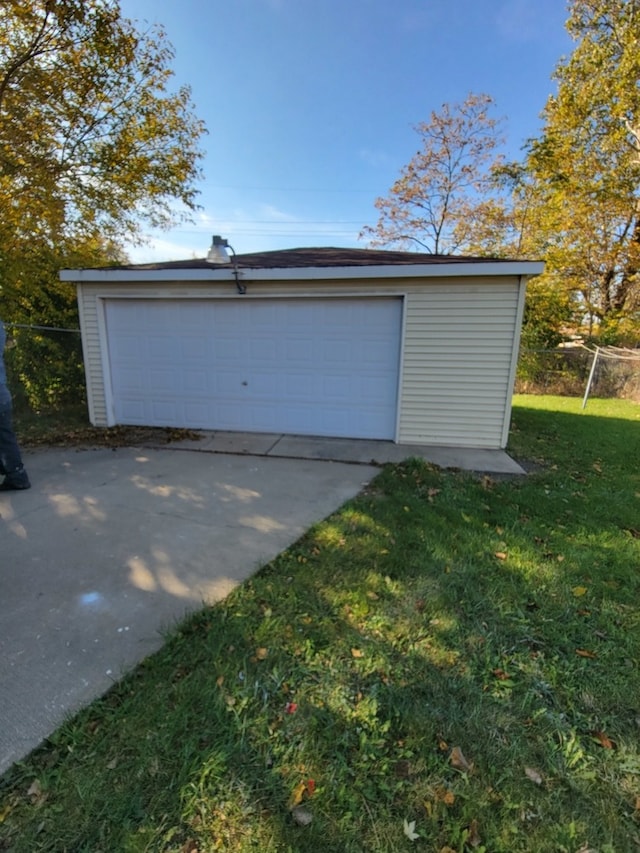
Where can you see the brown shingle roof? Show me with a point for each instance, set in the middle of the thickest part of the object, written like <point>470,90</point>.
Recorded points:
<point>318,257</point>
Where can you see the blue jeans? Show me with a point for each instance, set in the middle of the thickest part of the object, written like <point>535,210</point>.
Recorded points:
<point>10,458</point>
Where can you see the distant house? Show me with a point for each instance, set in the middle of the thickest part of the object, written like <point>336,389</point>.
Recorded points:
<point>413,348</point>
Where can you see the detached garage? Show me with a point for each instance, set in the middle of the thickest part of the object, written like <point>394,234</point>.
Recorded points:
<point>408,347</point>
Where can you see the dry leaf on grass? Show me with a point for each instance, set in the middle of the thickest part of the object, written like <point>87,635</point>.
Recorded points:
<point>459,761</point>
<point>500,674</point>
<point>474,836</point>
<point>35,793</point>
<point>604,740</point>
<point>409,829</point>
<point>357,653</point>
<point>444,795</point>
<point>585,653</point>
<point>532,774</point>
<point>501,555</point>
<point>297,794</point>
<point>262,653</point>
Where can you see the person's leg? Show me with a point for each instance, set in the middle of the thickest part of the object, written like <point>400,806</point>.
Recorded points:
<point>10,459</point>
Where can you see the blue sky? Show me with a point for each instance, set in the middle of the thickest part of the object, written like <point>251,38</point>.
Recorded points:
<point>310,104</point>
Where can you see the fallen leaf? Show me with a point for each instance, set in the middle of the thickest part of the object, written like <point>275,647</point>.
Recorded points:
<point>290,708</point>
<point>474,836</point>
<point>604,740</point>
<point>585,653</point>
<point>5,812</point>
<point>532,774</point>
<point>443,746</point>
<point>311,787</point>
<point>262,653</point>
<point>190,846</point>
<point>302,816</point>
<point>579,590</point>
<point>220,680</point>
<point>447,850</point>
<point>444,795</point>
<point>459,761</point>
<point>297,794</point>
<point>638,804</point>
<point>36,794</point>
<point>410,830</point>
<point>501,674</point>
<point>357,653</point>
<point>501,555</point>
<point>112,764</point>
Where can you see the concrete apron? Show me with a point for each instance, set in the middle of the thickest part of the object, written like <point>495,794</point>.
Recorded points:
<point>111,547</point>
<point>361,451</point>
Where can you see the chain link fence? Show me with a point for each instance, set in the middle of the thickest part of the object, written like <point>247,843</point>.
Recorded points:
<point>45,367</point>
<point>565,372</point>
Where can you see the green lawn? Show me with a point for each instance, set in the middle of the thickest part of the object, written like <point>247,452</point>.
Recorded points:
<point>448,657</point>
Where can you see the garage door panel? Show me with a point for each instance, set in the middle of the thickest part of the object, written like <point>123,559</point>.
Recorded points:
<point>309,366</point>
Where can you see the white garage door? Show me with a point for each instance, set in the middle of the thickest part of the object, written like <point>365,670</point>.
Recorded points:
<point>302,366</point>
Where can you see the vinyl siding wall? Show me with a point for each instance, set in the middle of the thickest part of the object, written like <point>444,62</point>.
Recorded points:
<point>458,350</point>
<point>93,348</point>
<point>456,365</point>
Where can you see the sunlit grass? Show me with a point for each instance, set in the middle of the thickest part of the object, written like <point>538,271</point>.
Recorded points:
<point>437,614</point>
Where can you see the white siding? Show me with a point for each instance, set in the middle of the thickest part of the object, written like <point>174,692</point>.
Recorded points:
<point>88,306</point>
<point>457,363</point>
<point>458,345</point>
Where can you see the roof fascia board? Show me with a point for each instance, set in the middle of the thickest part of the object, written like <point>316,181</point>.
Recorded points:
<point>523,268</point>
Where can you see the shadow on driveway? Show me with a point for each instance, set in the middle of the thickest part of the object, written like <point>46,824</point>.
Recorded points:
<point>111,547</point>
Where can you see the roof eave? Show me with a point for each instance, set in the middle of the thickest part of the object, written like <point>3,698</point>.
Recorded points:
<point>395,271</point>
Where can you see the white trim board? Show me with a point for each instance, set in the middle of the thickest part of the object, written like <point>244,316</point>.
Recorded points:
<point>367,273</point>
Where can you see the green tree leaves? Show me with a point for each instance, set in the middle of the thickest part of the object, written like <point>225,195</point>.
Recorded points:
<point>94,144</point>
<point>586,163</point>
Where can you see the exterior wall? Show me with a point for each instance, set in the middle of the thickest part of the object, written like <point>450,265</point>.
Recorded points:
<point>94,351</point>
<point>457,383</point>
<point>458,350</point>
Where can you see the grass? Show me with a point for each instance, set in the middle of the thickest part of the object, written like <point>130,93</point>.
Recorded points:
<point>458,653</point>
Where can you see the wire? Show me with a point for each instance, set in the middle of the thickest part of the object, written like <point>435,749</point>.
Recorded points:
<point>603,352</point>
<point>44,328</point>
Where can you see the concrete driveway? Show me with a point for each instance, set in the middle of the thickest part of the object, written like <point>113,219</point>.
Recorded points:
<point>111,547</point>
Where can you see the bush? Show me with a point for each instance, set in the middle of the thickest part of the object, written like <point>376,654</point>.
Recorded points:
<point>45,369</point>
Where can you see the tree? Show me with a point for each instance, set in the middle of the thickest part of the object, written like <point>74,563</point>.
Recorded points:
<point>430,204</point>
<point>93,145</point>
<point>91,140</point>
<point>586,164</point>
